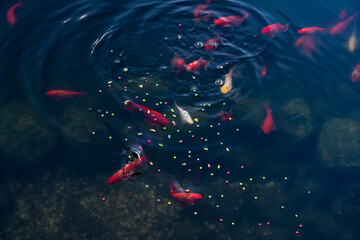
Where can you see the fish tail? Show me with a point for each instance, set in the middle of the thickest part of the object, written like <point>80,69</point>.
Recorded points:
<point>130,106</point>
<point>20,4</point>
<point>246,15</point>
<point>205,64</point>
<point>267,107</point>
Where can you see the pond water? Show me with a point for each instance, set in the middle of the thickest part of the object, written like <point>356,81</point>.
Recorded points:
<point>272,147</point>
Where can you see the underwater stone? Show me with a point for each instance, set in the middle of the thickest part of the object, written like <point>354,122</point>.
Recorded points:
<point>339,143</point>
<point>24,137</point>
<point>295,119</point>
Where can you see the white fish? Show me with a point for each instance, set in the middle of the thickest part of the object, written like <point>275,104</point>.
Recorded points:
<point>352,40</point>
<point>185,116</point>
<point>228,82</point>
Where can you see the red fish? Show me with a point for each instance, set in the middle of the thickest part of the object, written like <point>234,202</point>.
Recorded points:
<point>343,14</point>
<point>196,65</point>
<point>226,116</point>
<point>311,30</point>
<point>268,125</point>
<point>273,29</point>
<point>341,27</point>
<point>178,64</point>
<point>200,13</point>
<point>128,170</point>
<point>10,15</point>
<point>152,117</point>
<point>263,70</point>
<point>355,75</point>
<point>179,195</point>
<point>212,44</point>
<point>230,21</point>
<point>306,43</point>
<point>59,94</point>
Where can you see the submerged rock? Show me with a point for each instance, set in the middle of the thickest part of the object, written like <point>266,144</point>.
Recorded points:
<point>295,119</point>
<point>24,137</point>
<point>339,143</point>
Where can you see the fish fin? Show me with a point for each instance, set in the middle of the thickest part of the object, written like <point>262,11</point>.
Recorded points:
<point>267,107</point>
<point>184,206</point>
<point>175,187</point>
<point>130,106</point>
<point>138,173</point>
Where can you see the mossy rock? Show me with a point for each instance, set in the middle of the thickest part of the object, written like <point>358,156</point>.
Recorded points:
<point>25,138</point>
<point>339,143</point>
<point>295,119</point>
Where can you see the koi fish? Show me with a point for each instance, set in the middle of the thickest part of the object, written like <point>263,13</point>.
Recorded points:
<point>306,43</point>
<point>228,82</point>
<point>178,64</point>
<point>268,125</point>
<point>312,30</point>
<point>263,70</point>
<point>185,116</point>
<point>230,21</point>
<point>273,29</point>
<point>128,170</point>
<point>355,75</point>
<point>60,94</point>
<point>196,65</point>
<point>352,40</point>
<point>10,15</point>
<point>212,44</point>
<point>151,117</point>
<point>341,27</point>
<point>179,195</point>
<point>200,13</point>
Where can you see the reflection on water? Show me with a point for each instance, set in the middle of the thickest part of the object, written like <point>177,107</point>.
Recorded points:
<point>188,82</point>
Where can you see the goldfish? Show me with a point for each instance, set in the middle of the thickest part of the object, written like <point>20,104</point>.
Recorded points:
<point>196,65</point>
<point>306,43</point>
<point>273,29</point>
<point>185,116</point>
<point>228,82</point>
<point>352,40</point>
<point>212,44</point>
<point>200,13</point>
<point>59,94</point>
<point>10,15</point>
<point>268,125</point>
<point>226,115</point>
<point>128,170</point>
<point>178,64</point>
<point>312,30</point>
<point>151,117</point>
<point>263,70</point>
<point>179,195</point>
<point>355,75</point>
<point>230,21</point>
<point>341,27</point>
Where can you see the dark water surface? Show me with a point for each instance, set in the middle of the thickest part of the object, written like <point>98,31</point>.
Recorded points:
<point>301,181</point>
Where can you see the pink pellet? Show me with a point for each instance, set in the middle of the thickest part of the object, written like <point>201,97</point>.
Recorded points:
<point>219,124</point>
<point>137,97</point>
<point>148,141</point>
<point>158,170</point>
<point>297,232</point>
<point>180,25</point>
<point>189,170</point>
<point>158,199</point>
<point>221,220</point>
<point>119,77</point>
<point>109,85</point>
<point>259,224</point>
<point>165,103</point>
<point>192,136</point>
<point>242,166</point>
<point>268,223</point>
<point>227,172</point>
<point>227,181</point>
<point>103,199</point>
<point>300,225</point>
<point>201,138</point>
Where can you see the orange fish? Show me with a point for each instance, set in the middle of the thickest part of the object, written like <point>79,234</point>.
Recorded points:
<point>59,94</point>
<point>152,117</point>
<point>273,29</point>
<point>196,65</point>
<point>230,21</point>
<point>10,15</point>
<point>263,70</point>
<point>178,64</point>
<point>355,75</point>
<point>200,13</point>
<point>311,30</point>
<point>341,27</point>
<point>128,170</point>
<point>212,44</point>
<point>268,125</point>
<point>179,195</point>
<point>306,43</point>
